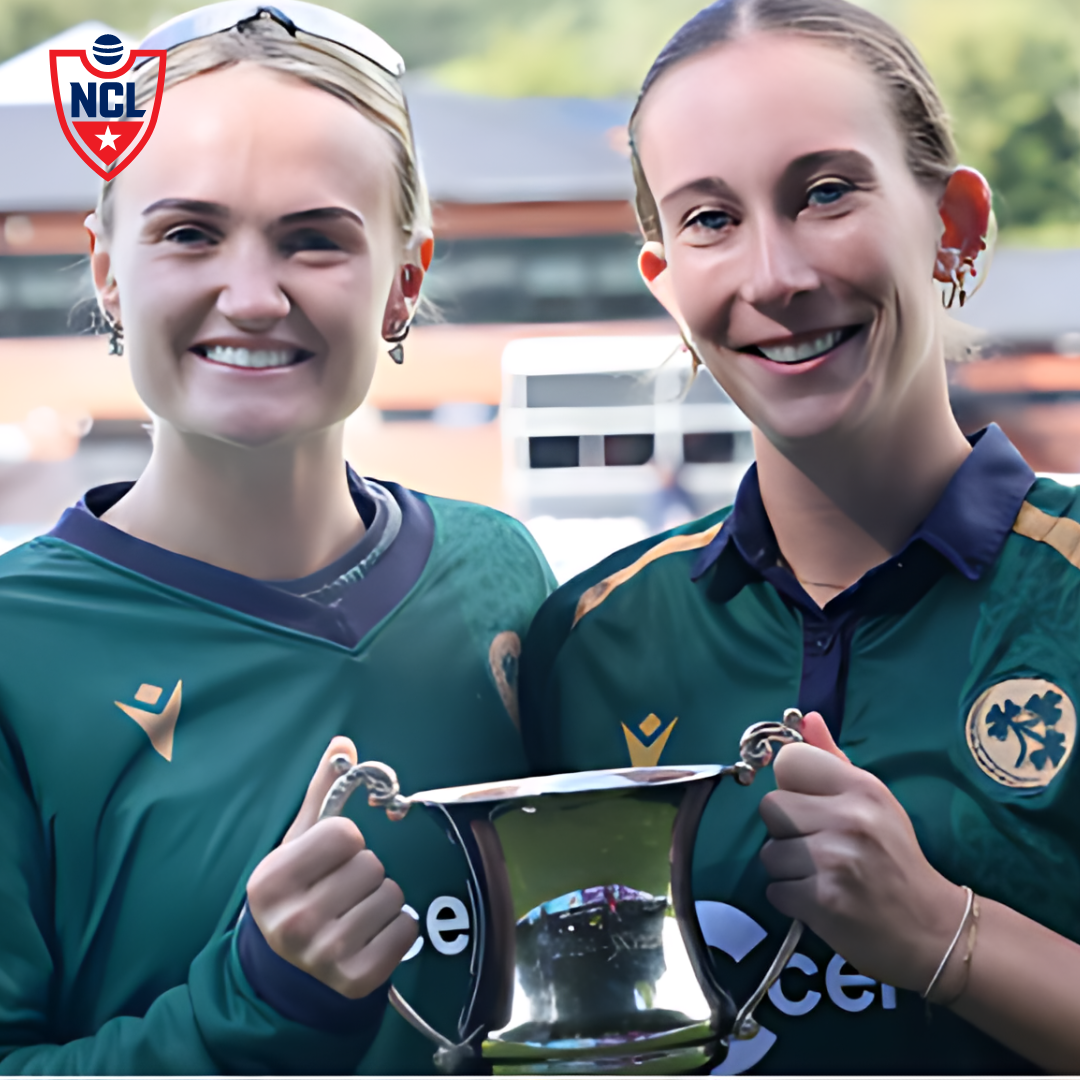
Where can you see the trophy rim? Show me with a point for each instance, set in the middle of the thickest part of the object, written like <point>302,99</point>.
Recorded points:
<point>569,783</point>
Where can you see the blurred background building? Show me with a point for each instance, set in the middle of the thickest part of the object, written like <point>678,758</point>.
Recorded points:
<point>538,391</point>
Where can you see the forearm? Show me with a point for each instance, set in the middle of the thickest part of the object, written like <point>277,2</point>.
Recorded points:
<point>164,1041</point>
<point>214,1023</point>
<point>1023,988</point>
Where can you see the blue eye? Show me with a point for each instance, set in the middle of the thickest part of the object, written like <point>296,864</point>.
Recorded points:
<point>711,219</point>
<point>828,192</point>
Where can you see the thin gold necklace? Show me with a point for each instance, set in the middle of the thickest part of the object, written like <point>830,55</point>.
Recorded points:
<point>803,581</point>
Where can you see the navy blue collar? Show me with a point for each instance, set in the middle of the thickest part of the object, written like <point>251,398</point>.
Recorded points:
<point>966,529</point>
<point>345,620</point>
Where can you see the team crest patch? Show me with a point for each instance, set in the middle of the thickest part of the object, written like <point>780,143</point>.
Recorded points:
<point>95,101</point>
<point>1021,732</point>
<point>503,656</point>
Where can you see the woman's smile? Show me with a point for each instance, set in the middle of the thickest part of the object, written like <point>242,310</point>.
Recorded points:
<point>802,351</point>
<point>252,358</point>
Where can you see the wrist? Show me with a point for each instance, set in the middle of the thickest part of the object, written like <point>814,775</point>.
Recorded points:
<point>949,980</point>
<point>298,996</point>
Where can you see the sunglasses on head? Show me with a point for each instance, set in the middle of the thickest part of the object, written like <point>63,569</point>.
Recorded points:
<point>294,15</point>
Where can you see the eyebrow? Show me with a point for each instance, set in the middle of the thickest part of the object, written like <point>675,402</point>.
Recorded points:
<point>715,187</point>
<point>706,185</point>
<point>322,213</point>
<point>848,159</point>
<point>217,210</point>
<point>190,206</point>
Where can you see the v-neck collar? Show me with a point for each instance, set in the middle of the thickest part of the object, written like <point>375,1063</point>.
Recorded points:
<point>345,620</point>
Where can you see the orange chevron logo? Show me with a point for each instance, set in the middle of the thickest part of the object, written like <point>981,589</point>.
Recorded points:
<point>159,726</point>
<point>646,755</point>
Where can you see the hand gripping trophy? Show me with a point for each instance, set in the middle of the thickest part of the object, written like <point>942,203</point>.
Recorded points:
<point>588,956</point>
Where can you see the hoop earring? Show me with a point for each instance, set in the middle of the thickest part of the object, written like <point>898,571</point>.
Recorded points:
<point>116,336</point>
<point>397,353</point>
<point>956,269</point>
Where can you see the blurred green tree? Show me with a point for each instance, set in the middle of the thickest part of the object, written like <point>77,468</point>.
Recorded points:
<point>1008,70</point>
<point>1010,75</point>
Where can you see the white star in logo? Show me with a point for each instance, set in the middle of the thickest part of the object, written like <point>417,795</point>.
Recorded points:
<point>108,139</point>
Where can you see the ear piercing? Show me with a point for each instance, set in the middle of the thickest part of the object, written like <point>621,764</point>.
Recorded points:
<point>953,268</point>
<point>967,211</point>
<point>397,336</point>
<point>116,336</point>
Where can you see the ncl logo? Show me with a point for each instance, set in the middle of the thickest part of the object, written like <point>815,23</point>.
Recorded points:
<point>96,101</point>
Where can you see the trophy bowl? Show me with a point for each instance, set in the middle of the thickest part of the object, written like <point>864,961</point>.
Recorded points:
<point>588,954</point>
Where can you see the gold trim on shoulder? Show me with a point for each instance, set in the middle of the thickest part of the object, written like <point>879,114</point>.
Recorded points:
<point>1061,533</point>
<point>595,596</point>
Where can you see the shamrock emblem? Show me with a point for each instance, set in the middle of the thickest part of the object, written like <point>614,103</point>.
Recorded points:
<point>1033,724</point>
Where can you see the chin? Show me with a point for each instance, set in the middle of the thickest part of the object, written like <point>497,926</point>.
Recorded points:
<point>809,419</point>
<point>252,430</point>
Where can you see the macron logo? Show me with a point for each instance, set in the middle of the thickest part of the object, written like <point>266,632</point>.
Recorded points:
<point>159,726</point>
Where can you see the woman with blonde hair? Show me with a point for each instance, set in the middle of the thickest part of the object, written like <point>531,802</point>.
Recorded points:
<point>914,592</point>
<point>183,652</point>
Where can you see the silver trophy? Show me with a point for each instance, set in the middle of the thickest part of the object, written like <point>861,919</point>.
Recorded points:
<point>589,957</point>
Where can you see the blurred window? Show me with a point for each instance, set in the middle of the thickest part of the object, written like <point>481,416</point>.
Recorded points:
<point>553,451</point>
<point>627,449</point>
<point>539,279</point>
<point>708,447</point>
<point>45,295</point>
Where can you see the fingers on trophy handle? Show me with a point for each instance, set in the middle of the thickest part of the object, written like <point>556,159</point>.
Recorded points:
<point>756,747</point>
<point>380,780</point>
<point>757,750</point>
<point>384,790</point>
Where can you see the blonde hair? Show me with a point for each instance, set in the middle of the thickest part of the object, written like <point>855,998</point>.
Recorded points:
<point>354,79</point>
<point>916,103</point>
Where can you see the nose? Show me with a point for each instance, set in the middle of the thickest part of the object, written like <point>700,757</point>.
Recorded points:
<point>251,296</point>
<point>777,269</point>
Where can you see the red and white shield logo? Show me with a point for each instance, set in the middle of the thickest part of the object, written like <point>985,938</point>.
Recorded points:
<point>96,102</point>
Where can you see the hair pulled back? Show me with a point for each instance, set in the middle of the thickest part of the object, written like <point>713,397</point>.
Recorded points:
<point>354,79</point>
<point>920,113</point>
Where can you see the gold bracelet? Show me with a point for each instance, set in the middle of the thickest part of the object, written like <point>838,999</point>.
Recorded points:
<point>972,935</point>
<point>952,944</point>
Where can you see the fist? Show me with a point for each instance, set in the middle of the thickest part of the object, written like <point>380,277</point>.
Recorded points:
<point>844,859</point>
<point>323,901</point>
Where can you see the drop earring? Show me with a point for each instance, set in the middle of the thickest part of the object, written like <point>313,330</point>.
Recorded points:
<point>116,336</point>
<point>397,353</point>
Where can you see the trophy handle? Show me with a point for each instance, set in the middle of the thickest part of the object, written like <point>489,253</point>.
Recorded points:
<point>746,1026</point>
<point>756,745</point>
<point>384,790</point>
<point>755,752</point>
<point>380,780</point>
<point>450,1056</point>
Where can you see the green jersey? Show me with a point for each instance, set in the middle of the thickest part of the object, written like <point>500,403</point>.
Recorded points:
<point>951,672</point>
<point>159,722</point>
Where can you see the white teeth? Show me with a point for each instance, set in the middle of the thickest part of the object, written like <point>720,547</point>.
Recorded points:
<point>250,358</point>
<point>796,354</point>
